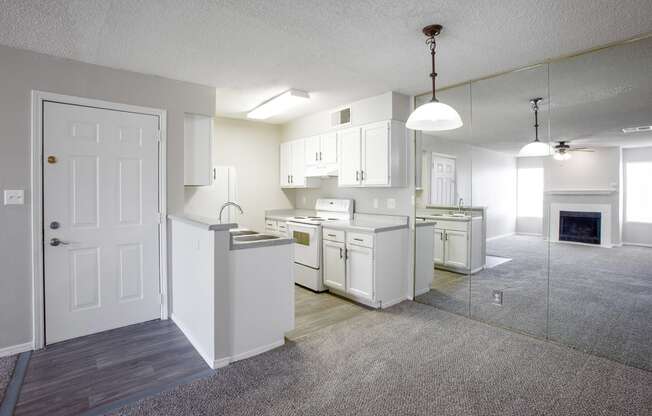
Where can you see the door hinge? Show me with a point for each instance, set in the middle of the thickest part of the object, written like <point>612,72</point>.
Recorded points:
<point>159,217</point>
<point>158,136</point>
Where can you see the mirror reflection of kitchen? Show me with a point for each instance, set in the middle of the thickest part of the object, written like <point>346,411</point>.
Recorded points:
<point>445,217</point>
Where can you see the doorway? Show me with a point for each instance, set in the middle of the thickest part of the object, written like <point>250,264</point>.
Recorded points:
<point>101,217</point>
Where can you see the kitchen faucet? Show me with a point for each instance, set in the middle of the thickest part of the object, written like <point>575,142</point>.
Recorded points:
<point>229,203</point>
<point>459,205</point>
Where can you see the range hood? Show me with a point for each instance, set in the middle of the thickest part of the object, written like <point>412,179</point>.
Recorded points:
<point>321,171</point>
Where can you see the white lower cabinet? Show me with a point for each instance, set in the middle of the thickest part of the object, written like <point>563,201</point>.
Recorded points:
<point>360,268</point>
<point>334,265</point>
<point>454,249</point>
<point>366,267</point>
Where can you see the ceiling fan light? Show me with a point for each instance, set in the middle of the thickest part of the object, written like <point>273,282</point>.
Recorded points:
<point>434,116</point>
<point>561,156</point>
<point>535,149</point>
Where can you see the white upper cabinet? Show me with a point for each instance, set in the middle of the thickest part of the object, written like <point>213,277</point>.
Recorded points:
<point>373,155</point>
<point>350,150</point>
<point>313,145</point>
<point>293,166</point>
<point>197,138</point>
<point>328,148</point>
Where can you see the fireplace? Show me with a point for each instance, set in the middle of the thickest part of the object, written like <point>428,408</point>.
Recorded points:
<point>580,226</point>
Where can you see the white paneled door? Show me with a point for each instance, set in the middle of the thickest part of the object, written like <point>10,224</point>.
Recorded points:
<point>100,219</point>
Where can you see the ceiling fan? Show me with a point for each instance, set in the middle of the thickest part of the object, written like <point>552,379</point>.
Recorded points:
<point>562,150</point>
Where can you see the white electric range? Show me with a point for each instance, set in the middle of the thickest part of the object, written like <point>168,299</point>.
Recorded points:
<point>307,234</point>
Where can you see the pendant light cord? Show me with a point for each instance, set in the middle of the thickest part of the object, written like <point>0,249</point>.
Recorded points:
<point>432,44</point>
<point>535,108</point>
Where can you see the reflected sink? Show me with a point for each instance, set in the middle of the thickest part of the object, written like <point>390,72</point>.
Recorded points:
<point>256,237</point>
<point>243,232</point>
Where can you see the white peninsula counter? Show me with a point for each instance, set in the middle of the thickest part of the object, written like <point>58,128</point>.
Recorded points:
<point>233,297</point>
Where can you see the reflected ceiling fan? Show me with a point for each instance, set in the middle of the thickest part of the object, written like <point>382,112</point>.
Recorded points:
<point>563,149</point>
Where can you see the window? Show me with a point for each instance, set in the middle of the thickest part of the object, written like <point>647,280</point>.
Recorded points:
<point>530,192</point>
<point>638,192</point>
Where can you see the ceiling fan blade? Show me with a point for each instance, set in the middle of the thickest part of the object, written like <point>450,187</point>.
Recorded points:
<point>581,149</point>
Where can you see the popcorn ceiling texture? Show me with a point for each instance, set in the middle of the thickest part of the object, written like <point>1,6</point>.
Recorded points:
<point>338,50</point>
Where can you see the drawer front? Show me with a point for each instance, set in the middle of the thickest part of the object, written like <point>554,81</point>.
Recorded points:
<point>333,235</point>
<point>271,225</point>
<point>282,227</point>
<point>452,225</point>
<point>359,239</point>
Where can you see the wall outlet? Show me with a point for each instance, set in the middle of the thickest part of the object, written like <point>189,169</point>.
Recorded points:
<point>391,203</point>
<point>497,297</point>
<point>375,202</point>
<point>303,201</point>
<point>14,197</point>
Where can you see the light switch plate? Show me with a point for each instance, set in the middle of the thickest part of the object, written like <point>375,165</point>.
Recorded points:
<point>14,197</point>
<point>391,203</point>
<point>375,202</point>
<point>497,297</point>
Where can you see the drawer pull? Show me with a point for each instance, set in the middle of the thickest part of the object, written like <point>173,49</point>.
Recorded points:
<point>331,235</point>
<point>359,239</point>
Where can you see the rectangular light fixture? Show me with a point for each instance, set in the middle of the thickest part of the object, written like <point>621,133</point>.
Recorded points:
<point>637,129</point>
<point>278,104</point>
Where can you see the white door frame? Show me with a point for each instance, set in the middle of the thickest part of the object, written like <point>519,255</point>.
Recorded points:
<point>38,278</point>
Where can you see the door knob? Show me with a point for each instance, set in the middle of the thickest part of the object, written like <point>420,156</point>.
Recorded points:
<point>55,242</point>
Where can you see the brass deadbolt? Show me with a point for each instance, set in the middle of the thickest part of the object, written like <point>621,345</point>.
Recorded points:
<point>52,159</point>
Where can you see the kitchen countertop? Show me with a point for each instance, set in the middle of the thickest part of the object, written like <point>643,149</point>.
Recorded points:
<point>364,226</point>
<point>208,223</point>
<point>239,245</point>
<point>285,214</point>
<point>446,218</point>
<point>425,223</point>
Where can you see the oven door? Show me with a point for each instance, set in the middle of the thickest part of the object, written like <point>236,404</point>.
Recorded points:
<point>307,244</point>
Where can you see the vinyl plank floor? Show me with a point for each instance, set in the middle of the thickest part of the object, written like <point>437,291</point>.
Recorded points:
<point>315,311</point>
<point>74,376</point>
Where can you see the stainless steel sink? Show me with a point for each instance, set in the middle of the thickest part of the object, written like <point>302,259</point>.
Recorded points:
<point>257,237</point>
<point>243,232</point>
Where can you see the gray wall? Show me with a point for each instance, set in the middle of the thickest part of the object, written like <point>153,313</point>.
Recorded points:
<point>21,72</point>
<point>252,148</point>
<point>636,233</point>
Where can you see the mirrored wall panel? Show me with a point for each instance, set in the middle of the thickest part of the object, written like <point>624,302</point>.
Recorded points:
<point>598,203</point>
<point>536,215</point>
<point>510,289</point>
<point>444,257</point>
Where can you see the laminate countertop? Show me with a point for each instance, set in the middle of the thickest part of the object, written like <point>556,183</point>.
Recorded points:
<point>208,223</point>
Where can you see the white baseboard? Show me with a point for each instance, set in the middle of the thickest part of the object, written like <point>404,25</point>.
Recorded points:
<point>636,244</point>
<point>15,349</point>
<point>258,350</point>
<point>206,356</point>
<point>421,291</point>
<point>500,236</point>
<point>392,302</point>
<point>530,234</point>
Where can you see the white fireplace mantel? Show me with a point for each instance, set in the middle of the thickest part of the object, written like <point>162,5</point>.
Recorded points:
<point>581,191</point>
<point>605,220</point>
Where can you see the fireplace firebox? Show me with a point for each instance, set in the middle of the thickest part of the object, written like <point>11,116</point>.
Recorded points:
<point>580,227</point>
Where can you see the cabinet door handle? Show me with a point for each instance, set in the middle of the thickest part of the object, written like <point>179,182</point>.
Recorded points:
<point>362,175</point>
<point>441,236</point>
<point>446,236</point>
<point>316,156</point>
<point>359,239</point>
<point>319,155</point>
<point>341,254</point>
<point>291,178</point>
<point>357,175</point>
<point>288,178</point>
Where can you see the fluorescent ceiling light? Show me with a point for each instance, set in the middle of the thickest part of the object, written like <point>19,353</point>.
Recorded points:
<point>278,104</point>
<point>637,129</point>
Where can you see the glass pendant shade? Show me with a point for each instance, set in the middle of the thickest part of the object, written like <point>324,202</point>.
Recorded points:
<point>434,116</point>
<point>562,156</point>
<point>534,149</point>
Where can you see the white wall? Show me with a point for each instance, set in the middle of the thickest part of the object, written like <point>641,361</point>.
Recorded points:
<point>636,233</point>
<point>529,225</point>
<point>252,148</point>
<point>23,71</point>
<point>494,187</point>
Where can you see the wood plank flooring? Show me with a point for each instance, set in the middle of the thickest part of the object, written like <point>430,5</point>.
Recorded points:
<point>74,376</point>
<point>315,311</point>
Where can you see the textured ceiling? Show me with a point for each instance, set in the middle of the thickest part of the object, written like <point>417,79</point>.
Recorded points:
<point>338,50</point>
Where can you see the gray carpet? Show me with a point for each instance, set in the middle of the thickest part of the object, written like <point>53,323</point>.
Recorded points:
<point>416,360</point>
<point>600,299</point>
<point>7,365</point>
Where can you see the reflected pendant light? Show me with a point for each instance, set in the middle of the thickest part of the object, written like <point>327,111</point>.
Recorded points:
<point>433,115</point>
<point>535,148</point>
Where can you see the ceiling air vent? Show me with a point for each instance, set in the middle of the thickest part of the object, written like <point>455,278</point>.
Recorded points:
<point>341,117</point>
<point>637,129</point>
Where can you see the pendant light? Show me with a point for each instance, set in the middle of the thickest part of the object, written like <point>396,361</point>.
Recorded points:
<point>535,148</point>
<point>433,115</point>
